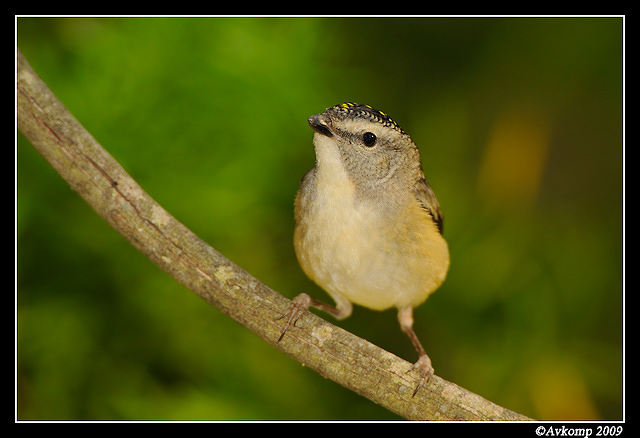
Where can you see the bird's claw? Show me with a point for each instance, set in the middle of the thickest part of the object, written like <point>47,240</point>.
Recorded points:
<point>300,304</point>
<point>426,370</point>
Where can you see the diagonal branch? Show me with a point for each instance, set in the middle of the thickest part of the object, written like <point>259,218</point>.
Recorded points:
<point>329,350</point>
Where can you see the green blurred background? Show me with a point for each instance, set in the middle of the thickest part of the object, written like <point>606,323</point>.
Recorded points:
<point>519,121</point>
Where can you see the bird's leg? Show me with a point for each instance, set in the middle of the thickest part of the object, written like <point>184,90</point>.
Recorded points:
<point>303,302</point>
<point>405,317</point>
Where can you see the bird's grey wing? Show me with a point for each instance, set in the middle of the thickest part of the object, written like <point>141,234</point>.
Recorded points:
<point>427,198</point>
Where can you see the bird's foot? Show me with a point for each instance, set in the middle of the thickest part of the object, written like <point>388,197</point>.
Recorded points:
<point>300,304</point>
<point>423,365</point>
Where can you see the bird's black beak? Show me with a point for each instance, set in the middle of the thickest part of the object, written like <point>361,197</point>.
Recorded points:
<point>320,124</point>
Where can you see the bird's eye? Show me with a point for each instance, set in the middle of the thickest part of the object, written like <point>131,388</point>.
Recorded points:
<point>369,139</point>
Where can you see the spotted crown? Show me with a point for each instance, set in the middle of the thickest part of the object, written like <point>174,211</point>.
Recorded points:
<point>367,112</point>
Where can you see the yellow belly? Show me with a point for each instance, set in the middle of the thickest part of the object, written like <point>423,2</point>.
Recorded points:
<point>370,259</point>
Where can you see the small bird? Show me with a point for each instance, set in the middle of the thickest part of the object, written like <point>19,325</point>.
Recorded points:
<point>368,225</point>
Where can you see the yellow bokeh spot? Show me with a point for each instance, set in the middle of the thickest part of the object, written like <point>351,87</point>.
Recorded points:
<point>514,159</point>
<point>558,391</point>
